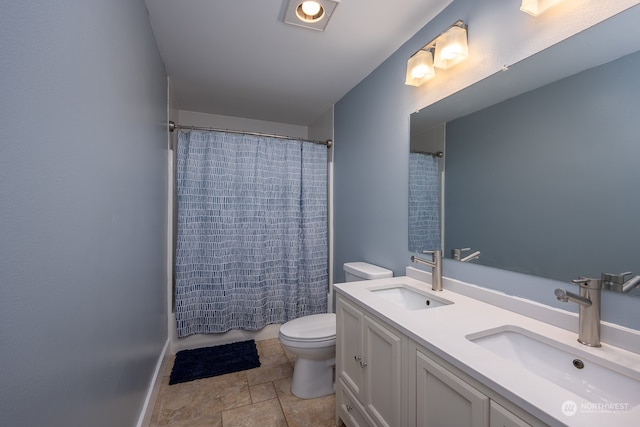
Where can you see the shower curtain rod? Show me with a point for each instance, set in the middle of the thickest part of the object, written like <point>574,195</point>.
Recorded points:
<point>173,126</point>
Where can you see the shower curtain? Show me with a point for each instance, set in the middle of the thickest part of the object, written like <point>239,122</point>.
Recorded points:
<point>251,245</point>
<point>424,202</point>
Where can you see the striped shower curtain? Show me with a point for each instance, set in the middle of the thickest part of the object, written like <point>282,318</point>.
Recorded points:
<point>251,245</point>
<point>424,202</point>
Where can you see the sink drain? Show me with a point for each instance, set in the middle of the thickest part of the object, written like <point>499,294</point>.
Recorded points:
<point>428,302</point>
<point>578,363</point>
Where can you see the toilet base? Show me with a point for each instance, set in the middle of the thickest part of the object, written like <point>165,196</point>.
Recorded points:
<point>313,378</point>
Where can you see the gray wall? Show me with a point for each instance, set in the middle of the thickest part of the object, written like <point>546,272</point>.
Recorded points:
<point>372,145</point>
<point>83,171</point>
<point>371,161</point>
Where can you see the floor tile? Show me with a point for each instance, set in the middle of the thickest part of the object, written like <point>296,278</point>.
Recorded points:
<point>259,397</point>
<point>262,392</point>
<point>263,414</point>
<point>318,412</point>
<point>201,398</point>
<point>274,365</point>
<point>271,354</point>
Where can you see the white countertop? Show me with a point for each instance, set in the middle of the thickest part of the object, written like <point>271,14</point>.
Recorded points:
<point>442,330</point>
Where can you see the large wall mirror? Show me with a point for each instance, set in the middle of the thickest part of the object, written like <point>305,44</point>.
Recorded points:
<point>543,159</point>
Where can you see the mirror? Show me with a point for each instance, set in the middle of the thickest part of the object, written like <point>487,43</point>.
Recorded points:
<point>542,160</point>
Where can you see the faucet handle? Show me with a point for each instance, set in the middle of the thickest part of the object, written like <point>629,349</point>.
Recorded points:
<point>435,252</point>
<point>587,282</point>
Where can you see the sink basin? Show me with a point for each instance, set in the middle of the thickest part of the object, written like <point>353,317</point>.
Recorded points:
<point>409,299</point>
<point>595,379</point>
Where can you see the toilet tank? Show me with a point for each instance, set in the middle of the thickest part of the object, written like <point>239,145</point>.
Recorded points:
<point>355,271</point>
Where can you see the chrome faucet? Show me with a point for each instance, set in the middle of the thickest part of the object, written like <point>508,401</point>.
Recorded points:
<point>616,282</point>
<point>436,267</point>
<point>456,254</point>
<point>588,309</point>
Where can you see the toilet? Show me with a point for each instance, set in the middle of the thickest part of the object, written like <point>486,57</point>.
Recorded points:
<point>313,340</point>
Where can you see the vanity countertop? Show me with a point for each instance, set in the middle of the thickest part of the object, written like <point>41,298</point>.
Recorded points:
<point>443,330</point>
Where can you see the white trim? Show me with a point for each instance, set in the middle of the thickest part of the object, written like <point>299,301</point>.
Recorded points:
<point>154,388</point>
<point>330,308</point>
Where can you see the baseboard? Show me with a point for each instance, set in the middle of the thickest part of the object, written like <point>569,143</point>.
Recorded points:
<point>154,387</point>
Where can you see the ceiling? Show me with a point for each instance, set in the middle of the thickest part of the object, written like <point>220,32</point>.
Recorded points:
<point>238,58</point>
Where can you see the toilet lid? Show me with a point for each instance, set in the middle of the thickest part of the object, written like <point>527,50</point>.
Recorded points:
<point>316,327</point>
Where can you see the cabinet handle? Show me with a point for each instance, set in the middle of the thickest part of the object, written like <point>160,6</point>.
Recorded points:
<point>357,358</point>
<point>349,407</point>
<point>363,364</point>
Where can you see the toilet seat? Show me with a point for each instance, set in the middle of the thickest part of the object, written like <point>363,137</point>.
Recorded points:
<point>315,328</point>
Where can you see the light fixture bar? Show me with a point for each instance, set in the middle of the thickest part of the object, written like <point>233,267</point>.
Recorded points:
<point>444,51</point>
<point>432,43</point>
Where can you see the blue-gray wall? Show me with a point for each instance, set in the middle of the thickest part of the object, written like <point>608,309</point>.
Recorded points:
<point>372,145</point>
<point>83,170</point>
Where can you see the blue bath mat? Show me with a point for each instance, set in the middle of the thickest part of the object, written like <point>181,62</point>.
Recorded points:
<point>213,361</point>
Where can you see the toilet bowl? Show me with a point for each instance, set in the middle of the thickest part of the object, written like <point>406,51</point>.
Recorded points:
<point>313,340</point>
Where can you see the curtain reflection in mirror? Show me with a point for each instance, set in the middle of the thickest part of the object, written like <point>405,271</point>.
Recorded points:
<point>424,202</point>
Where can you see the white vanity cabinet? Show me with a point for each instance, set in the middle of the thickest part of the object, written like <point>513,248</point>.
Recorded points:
<point>502,417</point>
<point>444,396</point>
<point>386,379</point>
<point>443,399</point>
<point>369,368</point>
<point>349,409</point>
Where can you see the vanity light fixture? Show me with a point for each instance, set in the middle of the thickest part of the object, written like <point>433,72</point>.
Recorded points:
<point>445,51</point>
<point>312,14</point>
<point>538,7</point>
<point>451,47</point>
<point>420,68</point>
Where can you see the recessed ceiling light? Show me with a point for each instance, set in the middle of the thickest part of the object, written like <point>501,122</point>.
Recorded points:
<point>310,11</point>
<point>309,14</point>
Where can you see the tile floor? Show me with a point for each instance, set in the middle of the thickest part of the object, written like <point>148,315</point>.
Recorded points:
<point>259,397</point>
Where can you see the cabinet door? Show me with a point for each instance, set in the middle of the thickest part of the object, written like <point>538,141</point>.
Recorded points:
<point>349,346</point>
<point>444,400</point>
<point>383,376</point>
<point>501,417</point>
<point>349,409</point>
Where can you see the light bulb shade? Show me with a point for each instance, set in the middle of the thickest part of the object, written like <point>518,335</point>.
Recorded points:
<point>451,48</point>
<point>310,7</point>
<point>310,11</point>
<point>538,7</point>
<point>419,68</point>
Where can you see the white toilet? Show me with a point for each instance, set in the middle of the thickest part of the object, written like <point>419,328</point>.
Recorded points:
<point>313,340</point>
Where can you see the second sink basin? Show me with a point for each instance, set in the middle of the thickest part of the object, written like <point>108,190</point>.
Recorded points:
<point>410,299</point>
<point>595,379</point>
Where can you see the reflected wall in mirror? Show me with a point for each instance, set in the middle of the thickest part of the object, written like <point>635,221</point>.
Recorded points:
<point>546,183</point>
<point>542,160</point>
